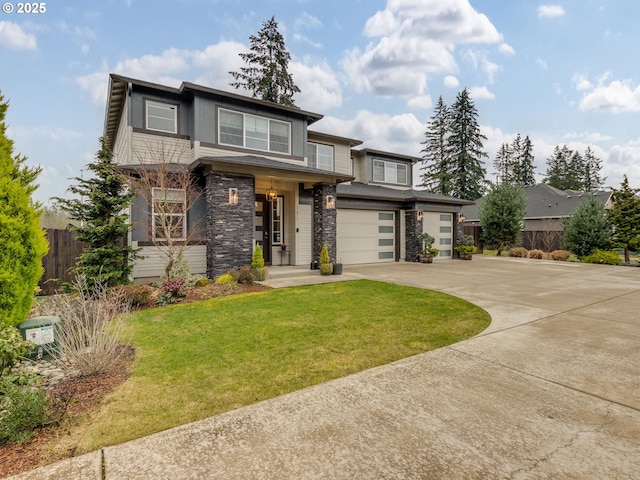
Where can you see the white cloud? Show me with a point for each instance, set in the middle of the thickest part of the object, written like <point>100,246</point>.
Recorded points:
<point>581,82</point>
<point>451,82</point>
<point>398,133</point>
<point>480,61</point>
<point>411,39</point>
<point>542,64</point>
<point>14,37</point>
<point>616,96</point>
<point>481,93</point>
<point>506,49</point>
<point>306,22</point>
<point>420,102</point>
<point>320,88</point>
<point>550,11</point>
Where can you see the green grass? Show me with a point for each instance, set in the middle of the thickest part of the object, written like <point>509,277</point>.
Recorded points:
<point>201,359</point>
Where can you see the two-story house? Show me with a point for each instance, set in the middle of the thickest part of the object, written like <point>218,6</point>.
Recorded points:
<point>268,179</point>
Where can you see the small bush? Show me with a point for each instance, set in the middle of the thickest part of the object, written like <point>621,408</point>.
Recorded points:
<point>202,282</point>
<point>22,409</point>
<point>560,255</point>
<point>257,260</point>
<point>261,274</point>
<point>235,273</point>
<point>12,347</point>
<point>537,254</point>
<point>324,255</point>
<point>141,296</point>
<point>246,276</point>
<point>519,252</point>
<point>601,256</point>
<point>326,268</point>
<point>224,278</point>
<point>172,291</point>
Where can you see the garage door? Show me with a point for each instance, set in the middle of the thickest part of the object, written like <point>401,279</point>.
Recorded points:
<point>440,227</point>
<point>366,236</point>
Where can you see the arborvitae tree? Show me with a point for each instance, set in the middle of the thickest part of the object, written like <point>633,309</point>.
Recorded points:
<point>437,172</point>
<point>22,241</point>
<point>103,226</point>
<point>587,229</point>
<point>465,148</point>
<point>502,216</point>
<point>525,175</point>
<point>625,218</point>
<point>266,75</point>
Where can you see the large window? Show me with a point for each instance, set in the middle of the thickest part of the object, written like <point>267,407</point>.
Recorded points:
<point>320,156</point>
<point>162,117</point>
<point>254,132</point>
<point>390,172</point>
<point>169,216</point>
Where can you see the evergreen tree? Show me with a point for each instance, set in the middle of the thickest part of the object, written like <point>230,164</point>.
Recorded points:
<point>591,179</point>
<point>625,218</point>
<point>574,176</point>
<point>525,176</point>
<point>103,226</point>
<point>587,229</point>
<point>502,216</point>
<point>266,75</point>
<point>437,175</point>
<point>465,149</point>
<point>22,241</point>
<point>502,164</point>
<point>558,167</point>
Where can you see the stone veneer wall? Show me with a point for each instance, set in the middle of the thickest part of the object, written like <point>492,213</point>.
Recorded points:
<point>324,221</point>
<point>413,228</point>
<point>229,227</point>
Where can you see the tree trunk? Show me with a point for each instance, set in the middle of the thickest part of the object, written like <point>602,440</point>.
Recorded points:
<point>626,254</point>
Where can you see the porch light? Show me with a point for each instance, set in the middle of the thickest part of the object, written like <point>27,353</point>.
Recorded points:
<point>460,217</point>
<point>419,215</point>
<point>271,193</point>
<point>330,202</point>
<point>233,196</point>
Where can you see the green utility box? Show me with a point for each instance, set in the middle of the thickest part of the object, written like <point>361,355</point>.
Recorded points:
<point>40,331</point>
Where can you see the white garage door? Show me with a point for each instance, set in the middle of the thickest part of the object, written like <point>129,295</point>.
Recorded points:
<point>366,236</point>
<point>440,227</point>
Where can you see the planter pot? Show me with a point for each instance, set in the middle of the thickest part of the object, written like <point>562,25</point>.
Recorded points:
<point>466,256</point>
<point>426,258</point>
<point>337,269</point>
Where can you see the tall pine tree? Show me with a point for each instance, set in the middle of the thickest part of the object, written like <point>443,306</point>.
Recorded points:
<point>99,208</point>
<point>569,170</point>
<point>22,241</point>
<point>266,75</point>
<point>591,179</point>
<point>465,148</point>
<point>625,218</point>
<point>526,169</point>
<point>437,172</point>
<point>502,164</point>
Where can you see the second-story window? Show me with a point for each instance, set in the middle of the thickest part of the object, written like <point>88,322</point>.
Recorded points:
<point>254,132</point>
<point>320,156</point>
<point>162,117</point>
<point>390,172</point>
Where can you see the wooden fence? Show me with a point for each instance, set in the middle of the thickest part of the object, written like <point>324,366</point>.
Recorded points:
<point>60,260</point>
<point>547,241</point>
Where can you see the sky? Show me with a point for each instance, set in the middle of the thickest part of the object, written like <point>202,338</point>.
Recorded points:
<point>563,73</point>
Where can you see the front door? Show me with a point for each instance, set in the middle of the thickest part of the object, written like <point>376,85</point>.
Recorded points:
<point>261,227</point>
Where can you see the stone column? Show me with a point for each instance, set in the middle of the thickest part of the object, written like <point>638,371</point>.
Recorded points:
<point>229,227</point>
<point>413,228</point>
<point>324,221</point>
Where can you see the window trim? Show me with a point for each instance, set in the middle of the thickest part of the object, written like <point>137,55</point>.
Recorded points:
<point>171,106</point>
<point>385,165</point>
<point>183,215</point>
<point>315,145</point>
<point>269,139</point>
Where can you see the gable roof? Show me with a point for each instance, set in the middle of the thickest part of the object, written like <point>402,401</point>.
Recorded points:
<point>373,152</point>
<point>545,201</point>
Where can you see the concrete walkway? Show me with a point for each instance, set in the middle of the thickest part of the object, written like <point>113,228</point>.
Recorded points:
<point>551,390</point>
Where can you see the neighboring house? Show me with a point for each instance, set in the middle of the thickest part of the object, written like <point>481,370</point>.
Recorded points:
<point>546,208</point>
<point>268,179</point>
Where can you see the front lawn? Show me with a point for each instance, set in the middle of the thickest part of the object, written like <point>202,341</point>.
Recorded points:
<point>201,359</point>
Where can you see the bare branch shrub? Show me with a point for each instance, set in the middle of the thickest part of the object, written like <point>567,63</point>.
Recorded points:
<point>91,326</point>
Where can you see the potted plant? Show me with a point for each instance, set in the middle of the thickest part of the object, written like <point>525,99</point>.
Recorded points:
<point>466,247</point>
<point>283,246</point>
<point>428,252</point>
<point>326,267</point>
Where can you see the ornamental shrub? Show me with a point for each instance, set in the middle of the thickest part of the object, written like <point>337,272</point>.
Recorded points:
<point>560,255</point>
<point>246,276</point>
<point>22,409</point>
<point>224,278</point>
<point>520,252</point>
<point>604,257</point>
<point>537,254</point>
<point>141,296</point>
<point>172,291</point>
<point>12,347</point>
<point>22,241</point>
<point>324,254</point>
<point>257,260</point>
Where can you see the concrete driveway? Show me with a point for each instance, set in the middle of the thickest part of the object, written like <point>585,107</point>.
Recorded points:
<point>551,390</point>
